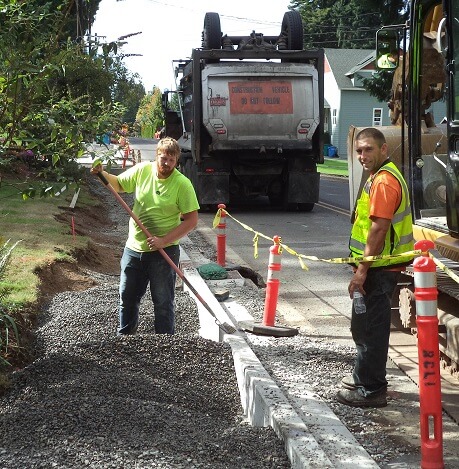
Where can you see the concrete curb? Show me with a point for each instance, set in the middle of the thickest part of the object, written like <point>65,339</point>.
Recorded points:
<point>265,404</point>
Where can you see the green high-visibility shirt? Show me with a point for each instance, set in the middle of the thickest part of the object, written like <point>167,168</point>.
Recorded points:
<point>158,202</point>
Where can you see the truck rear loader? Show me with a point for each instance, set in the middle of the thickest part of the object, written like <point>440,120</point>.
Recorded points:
<point>250,116</point>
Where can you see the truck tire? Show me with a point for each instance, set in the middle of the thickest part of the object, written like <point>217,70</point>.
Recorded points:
<point>212,33</point>
<point>292,28</point>
<point>305,207</point>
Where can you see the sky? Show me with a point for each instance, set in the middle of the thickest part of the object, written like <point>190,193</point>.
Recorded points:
<point>172,28</point>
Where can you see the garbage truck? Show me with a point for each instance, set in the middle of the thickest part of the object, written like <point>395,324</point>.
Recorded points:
<point>248,116</point>
<point>425,147</point>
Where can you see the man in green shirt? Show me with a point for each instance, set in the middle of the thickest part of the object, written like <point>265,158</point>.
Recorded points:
<point>388,61</point>
<point>166,203</point>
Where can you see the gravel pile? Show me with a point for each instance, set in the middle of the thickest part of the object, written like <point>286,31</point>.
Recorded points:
<point>92,399</point>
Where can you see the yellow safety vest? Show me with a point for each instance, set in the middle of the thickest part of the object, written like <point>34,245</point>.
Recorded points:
<point>399,238</point>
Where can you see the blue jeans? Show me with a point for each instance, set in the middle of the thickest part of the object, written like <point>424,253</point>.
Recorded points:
<point>371,332</point>
<point>137,270</point>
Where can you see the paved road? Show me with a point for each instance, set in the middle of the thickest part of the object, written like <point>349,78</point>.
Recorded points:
<point>147,149</point>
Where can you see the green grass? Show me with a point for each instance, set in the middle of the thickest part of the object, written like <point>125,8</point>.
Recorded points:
<point>43,238</point>
<point>333,166</point>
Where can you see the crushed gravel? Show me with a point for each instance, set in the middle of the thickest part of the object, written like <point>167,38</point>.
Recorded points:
<point>92,399</point>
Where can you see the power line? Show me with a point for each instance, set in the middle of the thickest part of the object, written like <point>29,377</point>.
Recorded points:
<point>253,20</point>
<point>238,18</point>
<point>330,31</point>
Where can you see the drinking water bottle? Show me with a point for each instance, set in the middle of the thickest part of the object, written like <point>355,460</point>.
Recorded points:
<point>359,303</point>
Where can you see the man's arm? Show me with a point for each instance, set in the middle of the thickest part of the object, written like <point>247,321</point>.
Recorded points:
<point>111,178</point>
<point>373,247</point>
<point>190,220</point>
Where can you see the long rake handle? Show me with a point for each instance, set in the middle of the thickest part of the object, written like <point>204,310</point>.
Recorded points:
<point>161,251</point>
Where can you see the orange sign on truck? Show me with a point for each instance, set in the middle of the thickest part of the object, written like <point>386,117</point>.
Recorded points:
<point>260,97</point>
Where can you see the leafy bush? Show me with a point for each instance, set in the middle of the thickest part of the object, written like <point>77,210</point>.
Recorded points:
<point>54,96</point>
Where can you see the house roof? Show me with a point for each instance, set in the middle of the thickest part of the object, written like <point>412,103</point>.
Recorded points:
<point>345,62</point>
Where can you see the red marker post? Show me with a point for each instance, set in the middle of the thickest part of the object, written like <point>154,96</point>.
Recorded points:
<point>221,236</point>
<point>73,228</point>
<point>125,156</point>
<point>426,293</point>
<point>273,282</point>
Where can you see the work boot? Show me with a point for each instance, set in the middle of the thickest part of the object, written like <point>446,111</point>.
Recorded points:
<point>348,383</point>
<point>356,399</point>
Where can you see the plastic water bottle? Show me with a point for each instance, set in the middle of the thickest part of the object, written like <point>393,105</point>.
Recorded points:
<point>359,303</point>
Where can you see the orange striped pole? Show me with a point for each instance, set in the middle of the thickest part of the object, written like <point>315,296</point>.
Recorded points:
<point>221,236</point>
<point>273,282</point>
<point>426,293</point>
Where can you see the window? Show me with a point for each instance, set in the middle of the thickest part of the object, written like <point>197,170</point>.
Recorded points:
<point>334,120</point>
<point>377,116</point>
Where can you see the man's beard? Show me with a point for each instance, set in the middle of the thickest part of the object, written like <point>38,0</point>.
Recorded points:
<point>165,171</point>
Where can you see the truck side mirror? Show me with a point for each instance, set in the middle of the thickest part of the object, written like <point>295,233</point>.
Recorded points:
<point>387,49</point>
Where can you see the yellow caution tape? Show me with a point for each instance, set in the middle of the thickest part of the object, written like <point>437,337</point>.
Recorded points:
<point>336,260</point>
<point>248,228</point>
<point>445,269</point>
<point>300,257</point>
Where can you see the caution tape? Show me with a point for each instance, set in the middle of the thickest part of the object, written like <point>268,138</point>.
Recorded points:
<point>302,257</point>
<point>445,269</point>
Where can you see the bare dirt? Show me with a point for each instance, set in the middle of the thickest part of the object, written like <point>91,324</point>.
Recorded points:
<point>101,255</point>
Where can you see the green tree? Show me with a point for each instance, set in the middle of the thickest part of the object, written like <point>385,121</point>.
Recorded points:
<point>351,24</point>
<point>78,15</point>
<point>319,30</point>
<point>150,117</point>
<point>346,23</point>
<point>380,85</point>
<point>128,90</point>
<point>54,96</point>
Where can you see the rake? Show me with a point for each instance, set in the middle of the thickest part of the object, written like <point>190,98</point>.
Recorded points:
<point>224,326</point>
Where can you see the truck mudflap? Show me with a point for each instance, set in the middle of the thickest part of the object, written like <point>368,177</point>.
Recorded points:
<point>303,187</point>
<point>212,188</point>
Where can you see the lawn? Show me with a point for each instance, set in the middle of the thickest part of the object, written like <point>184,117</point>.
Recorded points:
<point>333,166</point>
<point>37,224</point>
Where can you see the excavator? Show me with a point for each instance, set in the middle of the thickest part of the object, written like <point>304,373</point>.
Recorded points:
<point>425,147</point>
